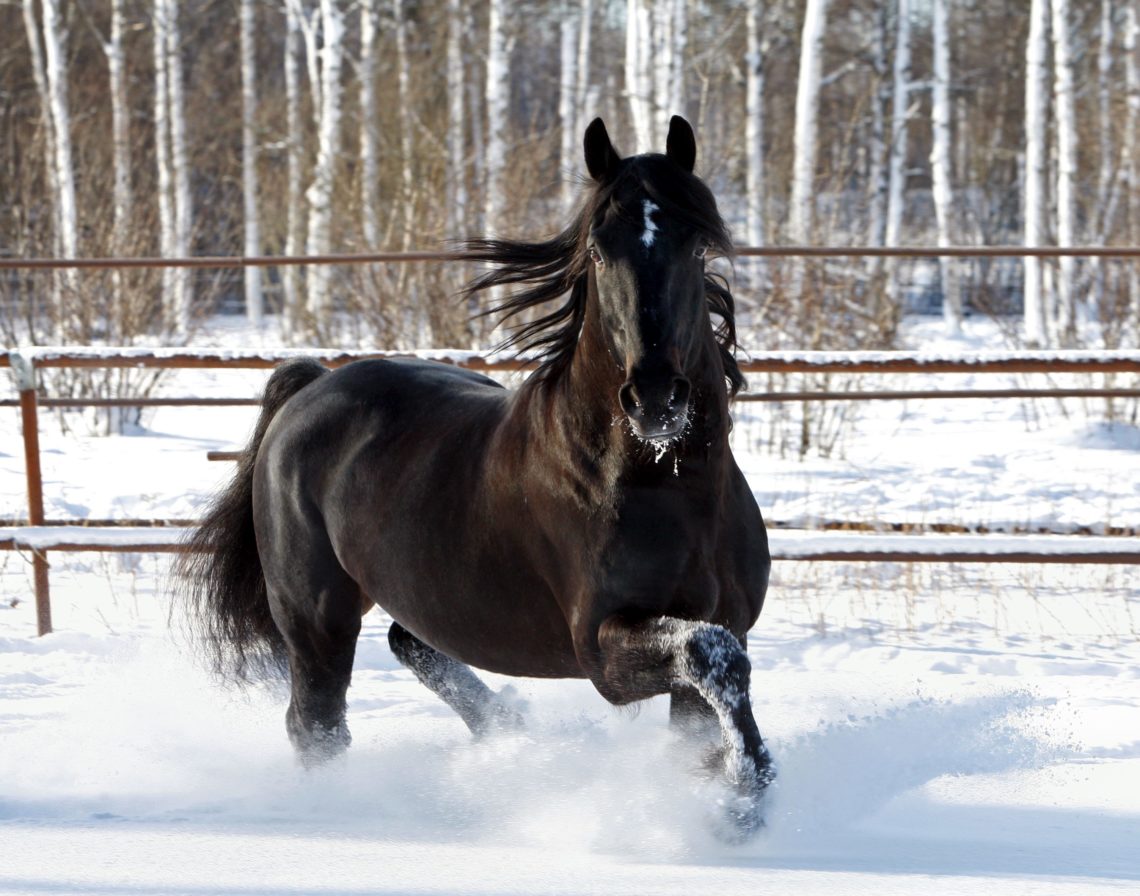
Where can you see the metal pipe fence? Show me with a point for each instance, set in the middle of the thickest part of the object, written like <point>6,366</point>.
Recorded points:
<point>38,537</point>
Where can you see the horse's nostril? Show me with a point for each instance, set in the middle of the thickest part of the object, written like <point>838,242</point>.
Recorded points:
<point>630,400</point>
<point>680,395</point>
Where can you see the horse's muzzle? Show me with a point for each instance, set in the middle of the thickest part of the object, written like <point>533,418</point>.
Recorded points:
<point>656,409</point>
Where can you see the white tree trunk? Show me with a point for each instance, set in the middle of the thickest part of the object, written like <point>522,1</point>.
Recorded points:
<point>456,129</point>
<point>877,173</point>
<point>39,78</point>
<point>569,33</point>
<point>676,94</point>
<point>407,119</point>
<point>1036,169</point>
<point>498,97</point>
<point>294,205</point>
<point>1104,105</point>
<point>369,138</point>
<point>940,162</point>
<point>162,156</point>
<point>1064,101</point>
<point>123,194</point>
<point>900,102</point>
<point>754,127</point>
<point>1130,170</point>
<point>476,97</point>
<point>663,47</point>
<point>582,67</point>
<point>638,72</point>
<point>801,213</point>
<point>55,57</point>
<point>320,192</point>
<point>254,305</point>
<point>48,47</point>
<point>1104,176</point>
<point>181,298</point>
<point>660,65</point>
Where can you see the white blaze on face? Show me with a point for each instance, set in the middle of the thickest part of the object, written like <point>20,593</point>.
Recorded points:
<point>650,228</point>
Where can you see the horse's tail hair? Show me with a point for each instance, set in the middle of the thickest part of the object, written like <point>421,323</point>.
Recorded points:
<point>220,574</point>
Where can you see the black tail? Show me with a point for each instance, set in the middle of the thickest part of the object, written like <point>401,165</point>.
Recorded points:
<point>221,574</point>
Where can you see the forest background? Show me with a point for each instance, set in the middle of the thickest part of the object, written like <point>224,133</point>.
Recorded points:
<point>262,127</point>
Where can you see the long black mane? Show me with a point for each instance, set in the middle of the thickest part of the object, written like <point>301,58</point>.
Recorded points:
<point>558,268</point>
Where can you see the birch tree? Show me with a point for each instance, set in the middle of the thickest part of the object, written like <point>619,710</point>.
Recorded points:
<point>900,102</point>
<point>1064,102</point>
<point>582,86</point>
<point>669,28</point>
<point>1036,169</point>
<point>568,32</point>
<point>1105,179</point>
<point>325,68</point>
<point>123,194</point>
<point>638,71</point>
<point>754,126</point>
<point>498,92</point>
<point>807,120</point>
<point>404,104</point>
<point>172,162</point>
<point>878,151</point>
<point>456,131</point>
<point>369,139</point>
<point>294,205</point>
<point>655,37</point>
<point>940,161</point>
<point>1130,170</point>
<point>180,157</point>
<point>48,46</point>
<point>254,306</point>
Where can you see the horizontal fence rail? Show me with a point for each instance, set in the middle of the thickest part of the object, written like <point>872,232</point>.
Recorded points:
<point>444,256</point>
<point>940,543</point>
<point>784,544</point>
<point>1012,361</point>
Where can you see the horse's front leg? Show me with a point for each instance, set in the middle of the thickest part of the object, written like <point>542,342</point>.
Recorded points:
<point>640,659</point>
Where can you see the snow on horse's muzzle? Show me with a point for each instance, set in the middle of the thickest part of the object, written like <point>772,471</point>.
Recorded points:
<point>656,408</point>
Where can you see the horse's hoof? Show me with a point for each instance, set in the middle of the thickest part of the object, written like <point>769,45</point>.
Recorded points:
<point>317,746</point>
<point>737,819</point>
<point>502,714</point>
<point>506,719</point>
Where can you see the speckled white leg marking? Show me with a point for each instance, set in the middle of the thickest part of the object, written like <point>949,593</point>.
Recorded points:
<point>710,659</point>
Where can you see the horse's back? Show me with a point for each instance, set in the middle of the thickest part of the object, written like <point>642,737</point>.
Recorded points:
<point>373,428</point>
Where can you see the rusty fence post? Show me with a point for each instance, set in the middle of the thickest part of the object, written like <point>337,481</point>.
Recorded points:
<point>25,375</point>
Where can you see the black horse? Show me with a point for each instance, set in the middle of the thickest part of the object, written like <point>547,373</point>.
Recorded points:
<point>591,524</point>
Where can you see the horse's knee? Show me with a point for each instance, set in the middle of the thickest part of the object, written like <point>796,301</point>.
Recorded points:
<point>715,662</point>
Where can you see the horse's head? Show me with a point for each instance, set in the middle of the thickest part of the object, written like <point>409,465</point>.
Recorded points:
<point>646,243</point>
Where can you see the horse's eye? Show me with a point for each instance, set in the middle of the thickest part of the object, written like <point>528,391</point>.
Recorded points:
<point>595,256</point>
<point>702,250</point>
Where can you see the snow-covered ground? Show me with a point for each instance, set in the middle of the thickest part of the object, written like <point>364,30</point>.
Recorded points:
<point>949,729</point>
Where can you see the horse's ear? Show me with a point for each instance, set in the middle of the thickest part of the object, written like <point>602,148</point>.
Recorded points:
<point>601,158</point>
<point>681,145</point>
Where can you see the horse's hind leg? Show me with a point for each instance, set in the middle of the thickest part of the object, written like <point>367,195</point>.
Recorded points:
<point>691,659</point>
<point>320,621</point>
<point>453,682</point>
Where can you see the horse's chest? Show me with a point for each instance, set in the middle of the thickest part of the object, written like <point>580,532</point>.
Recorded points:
<point>663,562</point>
